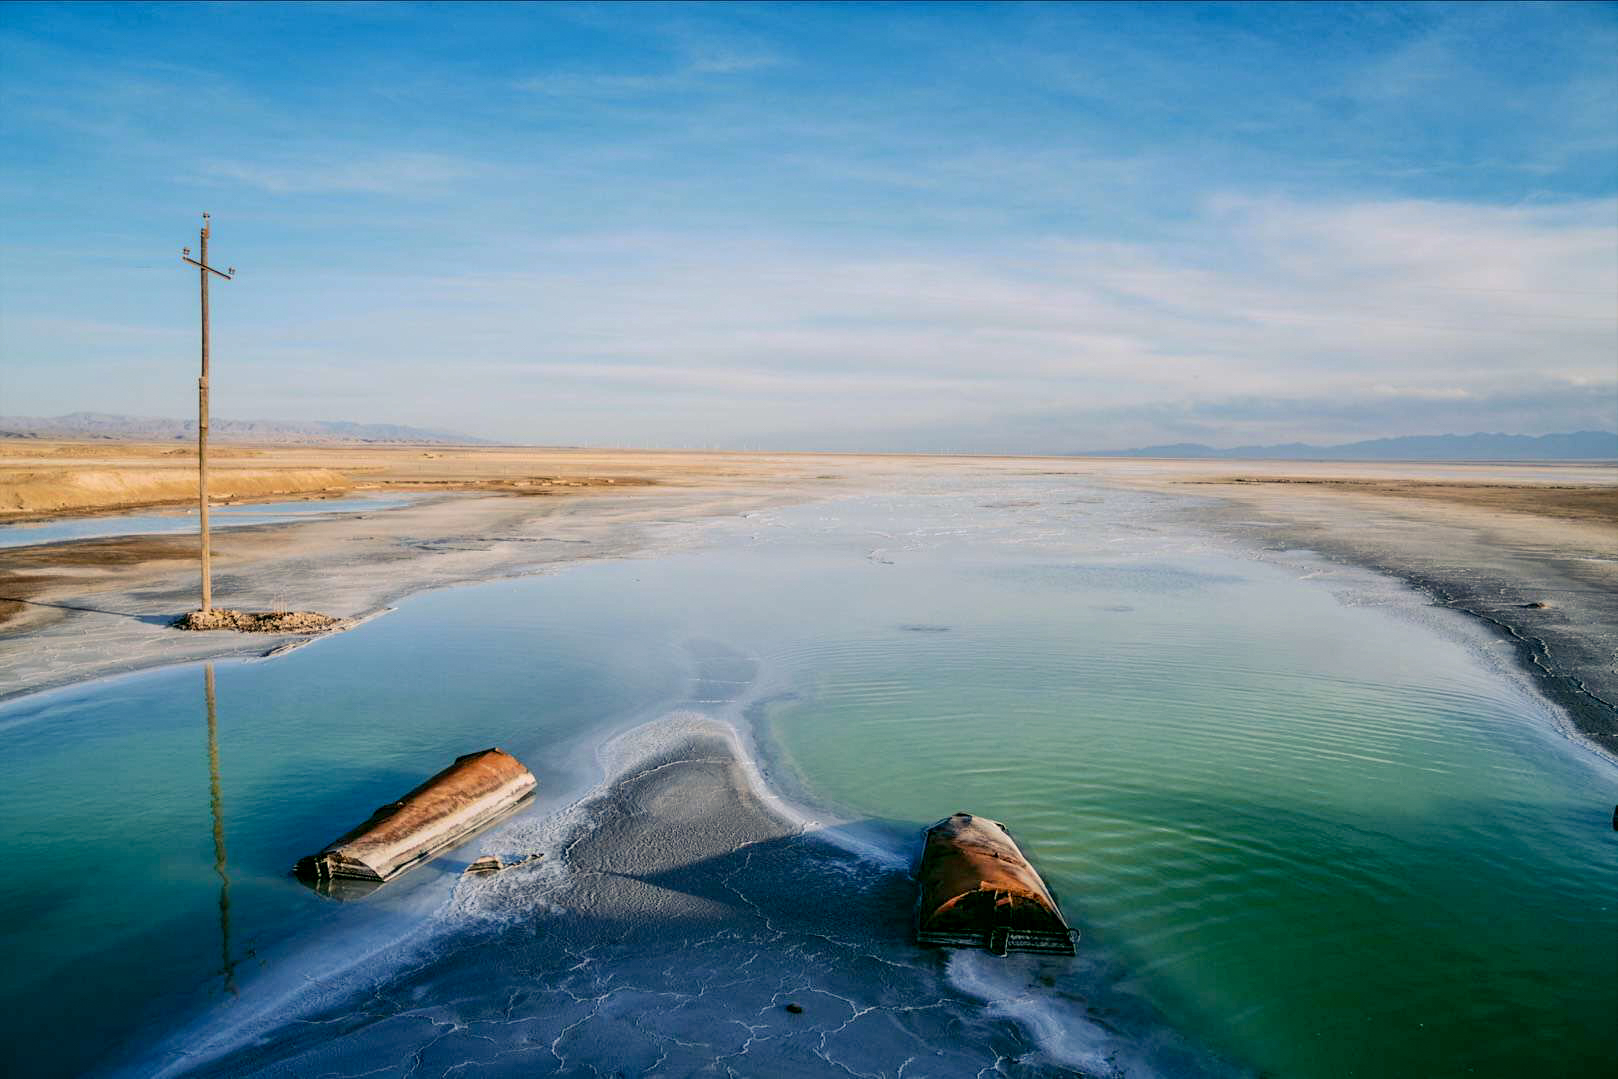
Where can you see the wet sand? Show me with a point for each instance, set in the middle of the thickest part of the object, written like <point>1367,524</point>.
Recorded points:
<point>85,609</point>
<point>99,607</point>
<point>1567,502</point>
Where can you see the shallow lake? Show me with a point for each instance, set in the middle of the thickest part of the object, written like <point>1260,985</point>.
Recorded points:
<point>1307,825</point>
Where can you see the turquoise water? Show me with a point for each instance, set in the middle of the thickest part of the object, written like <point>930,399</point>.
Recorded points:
<point>1314,834</point>
<point>107,791</point>
<point>1324,846</point>
<point>156,522</point>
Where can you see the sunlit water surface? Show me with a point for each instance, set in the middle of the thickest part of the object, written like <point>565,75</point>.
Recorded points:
<point>1315,834</point>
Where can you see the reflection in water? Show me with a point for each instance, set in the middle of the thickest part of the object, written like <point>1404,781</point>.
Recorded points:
<point>342,889</point>
<point>215,804</point>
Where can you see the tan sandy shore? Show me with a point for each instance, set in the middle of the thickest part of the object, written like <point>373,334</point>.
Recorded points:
<point>1530,549</point>
<point>42,479</point>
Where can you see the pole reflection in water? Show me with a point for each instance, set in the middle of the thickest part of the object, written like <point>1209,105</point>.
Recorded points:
<point>216,805</point>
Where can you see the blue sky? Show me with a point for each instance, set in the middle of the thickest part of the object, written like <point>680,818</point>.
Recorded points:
<point>990,228</point>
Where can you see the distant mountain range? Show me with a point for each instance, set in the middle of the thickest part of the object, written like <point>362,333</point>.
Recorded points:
<point>148,429</point>
<point>1574,446</point>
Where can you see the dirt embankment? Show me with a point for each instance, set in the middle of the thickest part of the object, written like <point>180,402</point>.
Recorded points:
<point>51,479</point>
<point>40,492</point>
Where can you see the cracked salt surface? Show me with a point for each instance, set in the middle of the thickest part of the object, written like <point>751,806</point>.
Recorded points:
<point>680,906</point>
<point>672,920</point>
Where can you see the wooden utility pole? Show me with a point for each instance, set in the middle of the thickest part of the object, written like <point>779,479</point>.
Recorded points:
<point>201,263</point>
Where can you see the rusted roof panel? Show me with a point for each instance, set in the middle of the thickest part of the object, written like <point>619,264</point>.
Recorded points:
<point>466,796</point>
<point>977,890</point>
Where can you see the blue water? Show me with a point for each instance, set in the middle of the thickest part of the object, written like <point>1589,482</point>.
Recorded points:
<point>1302,828</point>
<point>152,523</point>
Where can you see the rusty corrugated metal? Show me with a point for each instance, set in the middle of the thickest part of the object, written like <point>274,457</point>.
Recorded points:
<point>977,890</point>
<point>468,795</point>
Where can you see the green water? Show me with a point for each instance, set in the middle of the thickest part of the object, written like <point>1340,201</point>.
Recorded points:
<point>1321,841</point>
<point>1317,836</point>
<point>119,915</point>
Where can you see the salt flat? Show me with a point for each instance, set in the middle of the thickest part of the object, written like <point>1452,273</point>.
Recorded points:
<point>1530,548</point>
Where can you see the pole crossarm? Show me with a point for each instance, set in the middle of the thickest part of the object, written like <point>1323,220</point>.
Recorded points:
<point>226,274</point>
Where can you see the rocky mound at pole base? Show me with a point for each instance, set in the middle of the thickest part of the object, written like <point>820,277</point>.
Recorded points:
<point>258,621</point>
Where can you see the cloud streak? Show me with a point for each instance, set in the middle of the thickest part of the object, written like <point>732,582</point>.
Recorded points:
<point>1272,319</point>
<point>412,174</point>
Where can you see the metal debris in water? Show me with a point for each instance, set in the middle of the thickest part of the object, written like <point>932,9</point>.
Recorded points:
<point>469,795</point>
<point>978,891</point>
<point>492,863</point>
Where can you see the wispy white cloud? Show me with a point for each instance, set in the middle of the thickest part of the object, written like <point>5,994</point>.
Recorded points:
<point>388,173</point>
<point>685,57</point>
<point>1263,318</point>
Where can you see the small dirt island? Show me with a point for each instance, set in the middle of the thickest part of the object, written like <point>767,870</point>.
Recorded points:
<point>258,621</point>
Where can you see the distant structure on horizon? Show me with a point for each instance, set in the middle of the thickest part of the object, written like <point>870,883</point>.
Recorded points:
<point>1573,446</point>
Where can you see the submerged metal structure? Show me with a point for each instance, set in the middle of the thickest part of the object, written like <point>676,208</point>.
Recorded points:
<point>469,795</point>
<point>977,890</point>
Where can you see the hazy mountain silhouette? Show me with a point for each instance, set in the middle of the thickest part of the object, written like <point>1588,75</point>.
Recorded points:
<point>149,429</point>
<point>1573,446</point>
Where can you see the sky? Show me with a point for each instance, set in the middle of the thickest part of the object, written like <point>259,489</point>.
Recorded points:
<point>995,229</point>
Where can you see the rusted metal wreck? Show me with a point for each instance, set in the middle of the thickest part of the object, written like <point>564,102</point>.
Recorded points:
<point>470,794</point>
<point>977,890</point>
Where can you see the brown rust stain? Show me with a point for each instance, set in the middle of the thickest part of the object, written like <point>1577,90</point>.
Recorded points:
<point>428,819</point>
<point>973,877</point>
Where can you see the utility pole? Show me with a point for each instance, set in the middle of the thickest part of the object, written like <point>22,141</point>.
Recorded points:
<point>201,263</point>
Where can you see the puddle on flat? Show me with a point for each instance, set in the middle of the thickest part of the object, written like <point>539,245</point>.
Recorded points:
<point>164,522</point>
